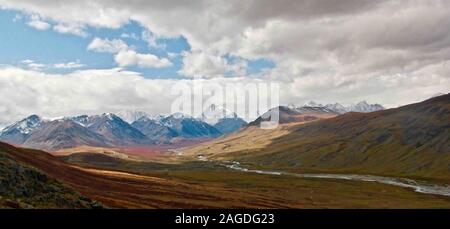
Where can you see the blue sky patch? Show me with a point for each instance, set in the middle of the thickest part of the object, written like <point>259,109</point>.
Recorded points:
<point>49,50</point>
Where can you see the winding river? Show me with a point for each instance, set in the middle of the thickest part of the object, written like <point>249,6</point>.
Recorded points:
<point>417,186</point>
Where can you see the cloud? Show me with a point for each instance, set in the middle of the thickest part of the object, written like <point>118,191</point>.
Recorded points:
<point>68,65</point>
<point>17,18</point>
<point>352,49</point>
<point>347,37</point>
<point>126,56</point>
<point>31,64</point>
<point>129,36</point>
<point>27,61</point>
<point>37,23</point>
<point>203,65</point>
<point>132,58</point>
<point>152,40</point>
<point>106,45</point>
<point>27,91</point>
<point>70,28</point>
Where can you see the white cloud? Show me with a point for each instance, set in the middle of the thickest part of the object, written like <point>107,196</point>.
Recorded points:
<point>173,55</point>
<point>27,61</point>
<point>31,64</point>
<point>126,56</point>
<point>106,45</point>
<point>68,65</point>
<point>17,18</point>
<point>152,40</point>
<point>37,23</point>
<point>71,28</point>
<point>26,92</point>
<point>132,58</point>
<point>203,65</point>
<point>351,49</point>
<point>129,36</point>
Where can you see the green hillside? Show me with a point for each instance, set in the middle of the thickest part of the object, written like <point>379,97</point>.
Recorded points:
<point>410,141</point>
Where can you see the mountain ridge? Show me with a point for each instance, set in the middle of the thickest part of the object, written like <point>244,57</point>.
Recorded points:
<point>412,140</point>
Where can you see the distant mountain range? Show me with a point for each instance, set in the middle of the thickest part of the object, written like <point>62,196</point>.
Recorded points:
<point>126,128</point>
<point>106,130</point>
<point>313,111</point>
<point>362,107</point>
<point>224,120</point>
<point>137,128</point>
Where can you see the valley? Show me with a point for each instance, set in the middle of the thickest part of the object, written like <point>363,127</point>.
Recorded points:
<point>205,185</point>
<point>315,158</point>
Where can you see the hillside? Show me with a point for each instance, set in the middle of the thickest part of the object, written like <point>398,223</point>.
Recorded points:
<point>252,137</point>
<point>194,184</point>
<point>23,186</point>
<point>411,141</point>
<point>48,188</point>
<point>295,115</point>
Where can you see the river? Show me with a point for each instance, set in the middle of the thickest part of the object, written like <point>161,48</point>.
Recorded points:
<point>417,186</point>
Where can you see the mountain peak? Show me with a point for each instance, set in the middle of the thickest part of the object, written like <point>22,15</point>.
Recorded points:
<point>131,116</point>
<point>362,106</point>
<point>179,115</point>
<point>312,104</point>
<point>26,125</point>
<point>214,113</point>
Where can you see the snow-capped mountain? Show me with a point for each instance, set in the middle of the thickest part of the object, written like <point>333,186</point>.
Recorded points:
<point>154,129</point>
<point>3,126</point>
<point>165,128</point>
<point>18,132</point>
<point>64,133</point>
<point>26,125</point>
<point>113,128</point>
<point>110,130</point>
<point>363,107</point>
<point>131,116</point>
<point>189,127</point>
<point>337,107</point>
<point>312,104</point>
<point>214,113</point>
<point>83,120</point>
<point>222,119</point>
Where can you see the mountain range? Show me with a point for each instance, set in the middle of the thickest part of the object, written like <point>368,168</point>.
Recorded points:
<point>105,130</point>
<point>409,141</point>
<point>311,111</point>
<point>137,128</point>
<point>362,107</point>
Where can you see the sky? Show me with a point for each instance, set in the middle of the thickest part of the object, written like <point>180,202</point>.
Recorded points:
<point>60,58</point>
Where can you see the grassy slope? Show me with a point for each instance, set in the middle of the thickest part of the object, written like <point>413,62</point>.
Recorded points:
<point>250,138</point>
<point>411,141</point>
<point>22,186</point>
<point>268,191</point>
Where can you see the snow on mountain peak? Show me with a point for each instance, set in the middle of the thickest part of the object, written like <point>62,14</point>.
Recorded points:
<point>362,106</point>
<point>179,115</point>
<point>214,113</point>
<point>131,116</point>
<point>312,104</point>
<point>25,126</point>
